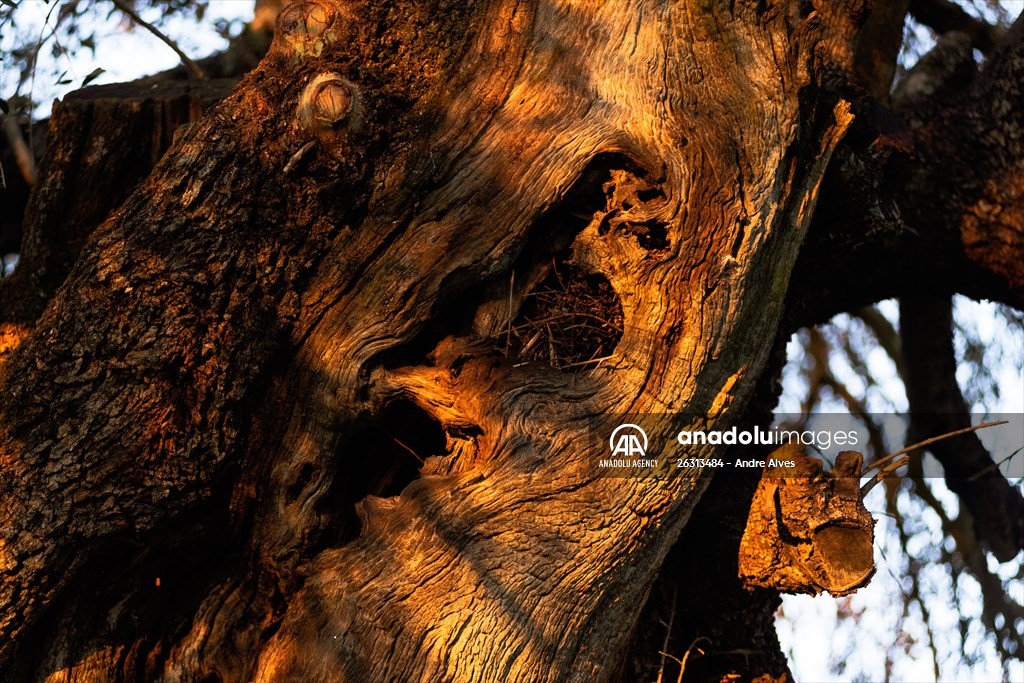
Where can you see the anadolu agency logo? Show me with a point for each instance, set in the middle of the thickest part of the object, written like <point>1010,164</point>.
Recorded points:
<point>627,441</point>
<point>628,448</point>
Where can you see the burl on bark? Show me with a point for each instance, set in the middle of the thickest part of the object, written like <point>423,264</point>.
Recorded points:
<point>808,530</point>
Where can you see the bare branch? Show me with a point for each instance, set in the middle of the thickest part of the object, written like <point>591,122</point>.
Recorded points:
<point>193,68</point>
<point>927,442</point>
<point>22,154</point>
<point>885,333</point>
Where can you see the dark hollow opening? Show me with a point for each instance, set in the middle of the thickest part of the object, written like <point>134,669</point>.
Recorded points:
<point>380,460</point>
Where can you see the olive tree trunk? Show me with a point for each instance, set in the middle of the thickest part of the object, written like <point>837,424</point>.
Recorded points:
<point>269,428</point>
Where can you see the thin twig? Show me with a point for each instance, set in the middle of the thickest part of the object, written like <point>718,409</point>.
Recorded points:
<point>551,346</point>
<point>508,314</point>
<point>193,68</point>
<point>927,442</point>
<point>994,466</point>
<point>298,156</point>
<point>884,470</point>
<point>668,633</point>
<point>411,451</point>
<point>587,362</point>
<point>682,662</point>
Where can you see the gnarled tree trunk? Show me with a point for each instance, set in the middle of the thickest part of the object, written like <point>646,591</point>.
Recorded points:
<point>269,428</point>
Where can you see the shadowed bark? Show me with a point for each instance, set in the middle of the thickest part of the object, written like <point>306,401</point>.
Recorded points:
<point>927,199</point>
<point>104,141</point>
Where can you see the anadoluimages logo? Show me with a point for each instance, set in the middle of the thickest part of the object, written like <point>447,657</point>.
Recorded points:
<point>628,441</point>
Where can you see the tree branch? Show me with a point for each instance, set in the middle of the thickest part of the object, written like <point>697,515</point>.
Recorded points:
<point>878,47</point>
<point>22,154</point>
<point>944,213</point>
<point>193,68</point>
<point>885,333</point>
<point>943,16</point>
<point>969,183</point>
<point>937,406</point>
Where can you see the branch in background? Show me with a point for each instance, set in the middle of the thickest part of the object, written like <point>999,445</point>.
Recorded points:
<point>994,596</point>
<point>818,347</point>
<point>264,15</point>
<point>22,154</point>
<point>878,47</point>
<point>892,462</point>
<point>885,333</point>
<point>912,596</point>
<point>943,16</point>
<point>938,78</point>
<point>937,406</point>
<point>193,68</point>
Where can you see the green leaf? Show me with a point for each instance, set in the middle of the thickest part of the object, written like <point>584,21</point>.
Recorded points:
<point>93,75</point>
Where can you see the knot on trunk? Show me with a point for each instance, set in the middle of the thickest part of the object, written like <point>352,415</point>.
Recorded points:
<point>329,102</point>
<point>305,27</point>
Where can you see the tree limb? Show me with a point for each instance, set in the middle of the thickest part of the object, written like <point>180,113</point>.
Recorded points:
<point>944,213</point>
<point>885,333</point>
<point>943,16</point>
<point>878,47</point>
<point>22,154</point>
<point>194,68</point>
<point>937,406</point>
<point>972,160</point>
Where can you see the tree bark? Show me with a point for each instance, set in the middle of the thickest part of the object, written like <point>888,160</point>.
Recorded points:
<point>268,429</point>
<point>105,140</point>
<point>929,200</point>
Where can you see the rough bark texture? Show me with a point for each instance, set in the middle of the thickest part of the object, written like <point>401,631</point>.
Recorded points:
<point>153,372</point>
<point>698,607</point>
<point>808,530</point>
<point>929,201</point>
<point>104,141</point>
<point>267,429</point>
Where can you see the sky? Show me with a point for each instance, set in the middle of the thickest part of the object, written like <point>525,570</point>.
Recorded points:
<point>123,54</point>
